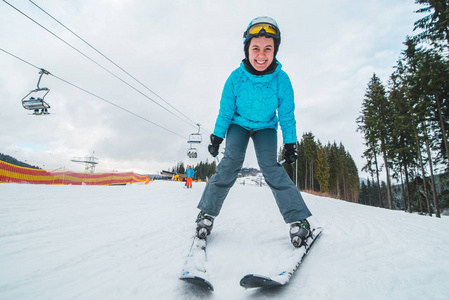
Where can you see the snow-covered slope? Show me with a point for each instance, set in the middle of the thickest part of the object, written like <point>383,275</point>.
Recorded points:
<point>130,242</point>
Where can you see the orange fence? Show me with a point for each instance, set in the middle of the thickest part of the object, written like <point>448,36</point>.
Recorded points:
<point>16,174</point>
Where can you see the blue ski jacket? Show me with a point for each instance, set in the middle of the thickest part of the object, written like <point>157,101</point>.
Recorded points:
<point>257,102</point>
<point>190,172</point>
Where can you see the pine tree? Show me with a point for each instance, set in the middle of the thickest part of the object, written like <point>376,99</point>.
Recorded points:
<point>375,123</point>
<point>405,139</point>
<point>335,169</point>
<point>322,172</point>
<point>423,90</point>
<point>435,25</point>
<point>353,179</point>
<point>309,148</point>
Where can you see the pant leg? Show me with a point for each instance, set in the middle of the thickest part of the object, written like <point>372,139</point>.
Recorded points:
<point>228,169</point>
<point>287,195</point>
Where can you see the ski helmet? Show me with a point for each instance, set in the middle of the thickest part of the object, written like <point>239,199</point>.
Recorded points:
<point>265,26</point>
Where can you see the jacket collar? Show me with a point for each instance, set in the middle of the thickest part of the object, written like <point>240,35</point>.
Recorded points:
<point>276,66</point>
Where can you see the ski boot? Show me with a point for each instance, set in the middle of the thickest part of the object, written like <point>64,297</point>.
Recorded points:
<point>204,224</point>
<point>299,233</point>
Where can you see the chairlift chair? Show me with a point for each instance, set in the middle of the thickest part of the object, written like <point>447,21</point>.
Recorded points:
<point>192,153</point>
<point>34,100</point>
<point>195,138</point>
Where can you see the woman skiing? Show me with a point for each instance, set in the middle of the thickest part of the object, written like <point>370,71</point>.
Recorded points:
<point>256,97</point>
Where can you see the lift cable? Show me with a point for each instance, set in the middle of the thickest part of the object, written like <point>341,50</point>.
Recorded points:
<point>118,106</point>
<point>111,61</point>
<point>86,56</point>
<point>94,95</point>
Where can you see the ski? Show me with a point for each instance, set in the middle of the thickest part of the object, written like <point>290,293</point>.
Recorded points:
<point>194,271</point>
<point>283,277</point>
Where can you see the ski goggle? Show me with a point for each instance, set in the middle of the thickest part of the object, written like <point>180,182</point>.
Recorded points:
<point>257,28</point>
<point>269,30</point>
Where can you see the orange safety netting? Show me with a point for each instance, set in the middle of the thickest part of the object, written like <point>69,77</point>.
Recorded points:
<point>16,174</point>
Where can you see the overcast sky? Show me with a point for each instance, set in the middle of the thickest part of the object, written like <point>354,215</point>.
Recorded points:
<point>183,51</point>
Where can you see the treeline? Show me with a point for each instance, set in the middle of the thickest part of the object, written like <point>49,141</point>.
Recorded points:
<point>405,122</point>
<point>328,169</point>
<point>369,194</point>
<point>203,170</point>
<point>12,160</point>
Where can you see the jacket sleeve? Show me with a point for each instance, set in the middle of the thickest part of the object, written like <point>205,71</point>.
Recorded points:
<point>227,109</point>
<point>286,109</point>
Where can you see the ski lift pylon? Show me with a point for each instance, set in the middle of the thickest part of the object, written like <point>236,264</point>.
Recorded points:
<point>34,100</point>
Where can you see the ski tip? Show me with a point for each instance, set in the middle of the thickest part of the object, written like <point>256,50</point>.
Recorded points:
<point>317,231</point>
<point>198,281</point>
<point>258,281</point>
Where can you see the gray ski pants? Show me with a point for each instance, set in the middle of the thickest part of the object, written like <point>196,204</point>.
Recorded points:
<point>288,198</point>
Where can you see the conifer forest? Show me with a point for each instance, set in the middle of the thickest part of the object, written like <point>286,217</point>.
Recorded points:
<point>404,121</point>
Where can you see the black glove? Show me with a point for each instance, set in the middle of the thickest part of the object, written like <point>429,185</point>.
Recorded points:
<point>290,154</point>
<point>215,142</point>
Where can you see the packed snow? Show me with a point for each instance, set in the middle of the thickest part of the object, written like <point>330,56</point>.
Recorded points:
<point>131,242</point>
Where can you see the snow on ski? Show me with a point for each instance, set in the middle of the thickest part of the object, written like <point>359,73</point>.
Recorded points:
<point>283,277</point>
<point>194,270</point>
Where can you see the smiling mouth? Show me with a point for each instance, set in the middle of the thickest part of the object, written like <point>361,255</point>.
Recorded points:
<point>260,62</point>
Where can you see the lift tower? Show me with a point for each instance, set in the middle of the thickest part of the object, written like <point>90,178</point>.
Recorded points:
<point>89,161</point>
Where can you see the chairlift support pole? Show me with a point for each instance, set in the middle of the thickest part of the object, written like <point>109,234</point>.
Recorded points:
<point>42,72</point>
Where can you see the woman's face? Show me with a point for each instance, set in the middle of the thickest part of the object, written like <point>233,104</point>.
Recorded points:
<point>261,52</point>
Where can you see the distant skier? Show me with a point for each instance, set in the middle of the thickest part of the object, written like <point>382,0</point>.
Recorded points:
<point>256,97</point>
<point>189,173</point>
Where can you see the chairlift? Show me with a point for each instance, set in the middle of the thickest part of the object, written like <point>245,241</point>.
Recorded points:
<point>195,138</point>
<point>34,100</point>
<point>192,153</point>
